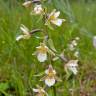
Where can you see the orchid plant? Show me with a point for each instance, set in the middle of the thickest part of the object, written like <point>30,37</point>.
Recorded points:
<point>44,49</point>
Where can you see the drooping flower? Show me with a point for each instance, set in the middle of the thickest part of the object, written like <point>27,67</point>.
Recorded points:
<point>73,44</point>
<point>50,78</point>
<point>25,35</point>
<point>53,18</point>
<point>41,52</point>
<point>38,9</point>
<point>27,4</point>
<point>40,91</point>
<point>72,66</point>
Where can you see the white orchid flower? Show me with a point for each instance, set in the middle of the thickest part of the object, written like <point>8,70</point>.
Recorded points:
<point>41,52</point>
<point>53,18</point>
<point>72,66</point>
<point>50,78</point>
<point>38,9</point>
<point>25,35</point>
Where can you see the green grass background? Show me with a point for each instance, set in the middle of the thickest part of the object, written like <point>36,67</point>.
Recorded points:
<point>17,65</point>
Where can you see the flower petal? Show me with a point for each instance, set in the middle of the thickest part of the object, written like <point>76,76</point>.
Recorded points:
<point>27,4</point>
<point>24,29</point>
<point>35,90</point>
<point>74,70</point>
<point>56,14</point>
<point>50,82</point>
<point>38,9</point>
<point>57,22</point>
<point>41,57</point>
<point>19,37</point>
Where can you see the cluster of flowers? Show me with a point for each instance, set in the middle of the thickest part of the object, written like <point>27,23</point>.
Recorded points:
<point>73,46</point>
<point>42,51</point>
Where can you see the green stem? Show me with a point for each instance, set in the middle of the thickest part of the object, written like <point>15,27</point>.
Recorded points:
<point>54,90</point>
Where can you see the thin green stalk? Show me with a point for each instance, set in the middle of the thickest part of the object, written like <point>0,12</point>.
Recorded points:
<point>54,90</point>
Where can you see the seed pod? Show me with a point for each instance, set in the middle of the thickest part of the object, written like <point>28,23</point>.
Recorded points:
<point>36,1</point>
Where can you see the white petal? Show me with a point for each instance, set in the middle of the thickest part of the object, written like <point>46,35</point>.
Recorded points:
<point>57,22</point>
<point>27,3</point>
<point>74,70</point>
<point>24,29</point>
<point>73,63</point>
<point>38,9</point>
<point>35,90</point>
<point>46,71</point>
<point>50,82</point>
<point>94,41</point>
<point>56,14</point>
<point>19,37</point>
<point>41,57</point>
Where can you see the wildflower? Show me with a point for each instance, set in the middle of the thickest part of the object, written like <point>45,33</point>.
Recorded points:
<point>50,77</point>
<point>40,91</point>
<point>41,52</point>
<point>53,18</point>
<point>26,33</point>
<point>73,45</point>
<point>94,41</point>
<point>27,4</point>
<point>38,9</point>
<point>72,66</point>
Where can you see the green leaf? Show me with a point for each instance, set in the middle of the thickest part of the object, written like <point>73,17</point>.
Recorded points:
<point>40,74</point>
<point>4,86</point>
<point>50,42</point>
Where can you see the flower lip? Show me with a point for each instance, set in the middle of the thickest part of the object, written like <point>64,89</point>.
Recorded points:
<point>72,66</point>
<point>50,81</point>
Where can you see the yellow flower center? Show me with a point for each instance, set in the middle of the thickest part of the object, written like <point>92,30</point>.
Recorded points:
<point>42,49</point>
<point>52,17</point>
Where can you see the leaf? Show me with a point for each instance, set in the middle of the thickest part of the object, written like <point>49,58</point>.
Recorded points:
<point>50,42</point>
<point>40,74</point>
<point>49,25</point>
<point>4,86</point>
